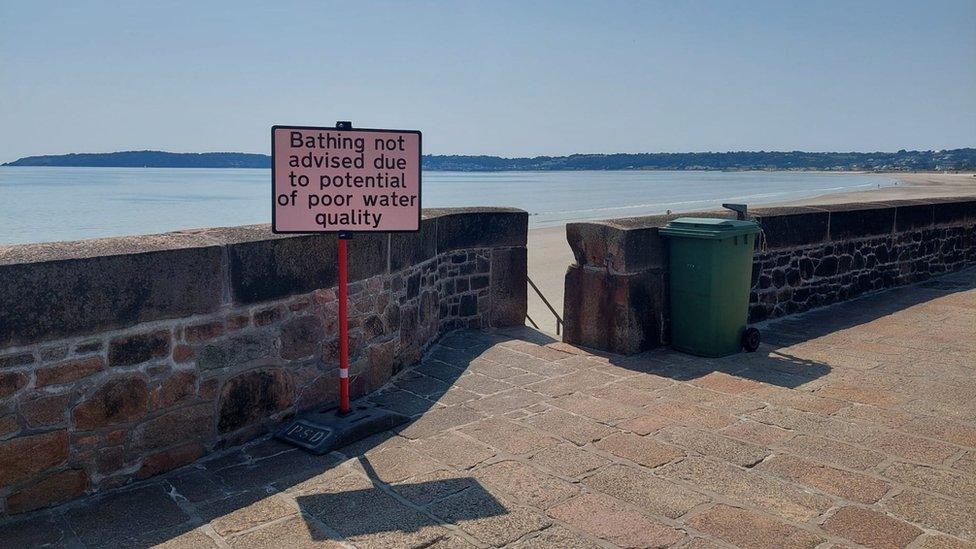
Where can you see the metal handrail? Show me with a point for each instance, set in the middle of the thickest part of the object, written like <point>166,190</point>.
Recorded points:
<point>559,320</point>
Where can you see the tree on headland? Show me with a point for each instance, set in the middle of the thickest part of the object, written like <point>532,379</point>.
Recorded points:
<point>944,160</point>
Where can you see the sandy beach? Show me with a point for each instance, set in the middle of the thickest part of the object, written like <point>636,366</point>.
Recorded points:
<point>910,186</point>
<point>550,255</point>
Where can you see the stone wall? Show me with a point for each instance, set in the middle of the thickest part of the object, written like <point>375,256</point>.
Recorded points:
<point>616,295</point>
<point>122,358</point>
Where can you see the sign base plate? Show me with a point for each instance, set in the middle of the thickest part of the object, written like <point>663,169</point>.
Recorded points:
<point>321,432</point>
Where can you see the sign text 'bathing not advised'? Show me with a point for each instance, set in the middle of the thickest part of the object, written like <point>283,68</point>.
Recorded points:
<point>358,180</point>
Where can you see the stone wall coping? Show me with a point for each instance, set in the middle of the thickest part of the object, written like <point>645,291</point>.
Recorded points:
<point>61,289</point>
<point>655,221</point>
<point>631,244</point>
<point>178,240</point>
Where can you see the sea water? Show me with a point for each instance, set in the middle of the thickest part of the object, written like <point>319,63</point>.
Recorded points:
<point>39,204</point>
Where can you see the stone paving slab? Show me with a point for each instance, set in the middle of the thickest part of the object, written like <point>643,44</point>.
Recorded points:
<point>854,425</point>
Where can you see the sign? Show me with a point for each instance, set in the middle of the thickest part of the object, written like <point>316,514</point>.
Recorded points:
<point>345,180</point>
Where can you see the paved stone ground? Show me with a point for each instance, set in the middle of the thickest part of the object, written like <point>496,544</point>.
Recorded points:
<point>853,425</point>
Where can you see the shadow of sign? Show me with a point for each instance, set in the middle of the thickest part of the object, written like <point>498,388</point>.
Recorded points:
<point>358,510</point>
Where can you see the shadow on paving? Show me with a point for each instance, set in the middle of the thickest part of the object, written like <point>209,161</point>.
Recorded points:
<point>767,365</point>
<point>772,363</point>
<point>358,512</point>
<point>238,487</point>
<point>329,497</point>
<point>816,323</point>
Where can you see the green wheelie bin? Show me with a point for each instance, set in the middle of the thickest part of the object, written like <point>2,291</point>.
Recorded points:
<point>711,270</point>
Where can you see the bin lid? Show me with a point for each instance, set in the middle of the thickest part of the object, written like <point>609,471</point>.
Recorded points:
<point>709,227</point>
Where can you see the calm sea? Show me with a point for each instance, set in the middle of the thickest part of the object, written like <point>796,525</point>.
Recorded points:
<point>48,204</point>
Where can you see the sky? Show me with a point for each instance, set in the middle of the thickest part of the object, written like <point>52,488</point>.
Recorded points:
<point>510,78</point>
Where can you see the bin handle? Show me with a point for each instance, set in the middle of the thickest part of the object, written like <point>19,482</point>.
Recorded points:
<point>742,214</point>
<point>741,210</point>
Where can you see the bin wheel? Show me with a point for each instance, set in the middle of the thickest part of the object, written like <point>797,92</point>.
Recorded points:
<point>750,340</point>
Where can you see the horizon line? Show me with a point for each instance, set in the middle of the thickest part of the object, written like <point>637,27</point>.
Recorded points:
<point>738,151</point>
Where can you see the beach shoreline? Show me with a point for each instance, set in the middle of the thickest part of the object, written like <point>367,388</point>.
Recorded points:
<point>549,254</point>
<point>910,186</point>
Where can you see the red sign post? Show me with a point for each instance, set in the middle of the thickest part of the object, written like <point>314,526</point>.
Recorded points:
<point>343,328</point>
<point>343,180</point>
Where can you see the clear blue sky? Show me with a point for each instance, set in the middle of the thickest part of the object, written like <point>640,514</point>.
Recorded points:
<point>506,78</point>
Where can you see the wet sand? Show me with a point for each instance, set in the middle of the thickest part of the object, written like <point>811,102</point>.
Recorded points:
<point>910,186</point>
<point>550,255</point>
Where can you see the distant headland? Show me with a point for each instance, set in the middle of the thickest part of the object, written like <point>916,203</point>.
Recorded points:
<point>908,161</point>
